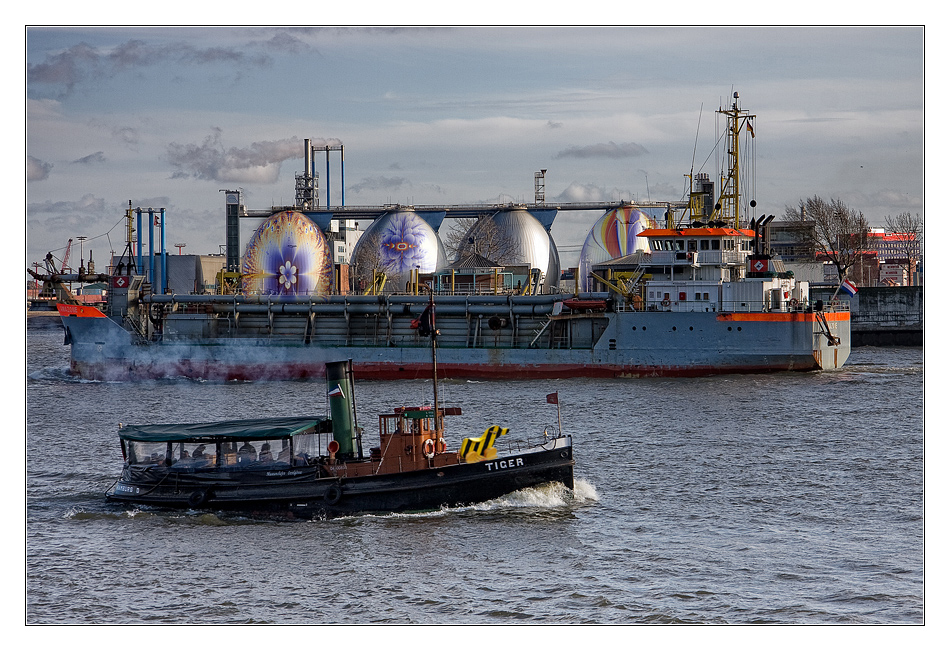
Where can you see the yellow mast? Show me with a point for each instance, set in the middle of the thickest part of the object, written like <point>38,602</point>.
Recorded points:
<point>727,208</point>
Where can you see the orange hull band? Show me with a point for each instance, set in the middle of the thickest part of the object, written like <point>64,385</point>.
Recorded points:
<point>79,310</point>
<point>789,317</point>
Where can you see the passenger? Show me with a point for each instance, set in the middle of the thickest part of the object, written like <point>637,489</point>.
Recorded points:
<point>247,453</point>
<point>265,453</point>
<point>199,452</point>
<point>284,454</point>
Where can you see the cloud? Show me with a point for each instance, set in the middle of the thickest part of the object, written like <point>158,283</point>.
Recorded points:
<point>37,170</point>
<point>581,193</point>
<point>82,61</point>
<point>88,204</point>
<point>604,150</point>
<point>98,157</point>
<point>378,183</point>
<point>211,161</point>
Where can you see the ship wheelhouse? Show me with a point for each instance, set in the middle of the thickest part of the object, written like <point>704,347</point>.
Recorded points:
<point>707,269</point>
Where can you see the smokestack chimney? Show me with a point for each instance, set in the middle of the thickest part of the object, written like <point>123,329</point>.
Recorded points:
<point>307,157</point>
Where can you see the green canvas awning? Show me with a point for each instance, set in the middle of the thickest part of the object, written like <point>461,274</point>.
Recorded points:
<point>245,430</point>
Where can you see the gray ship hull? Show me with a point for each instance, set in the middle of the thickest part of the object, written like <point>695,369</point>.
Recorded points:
<point>480,337</point>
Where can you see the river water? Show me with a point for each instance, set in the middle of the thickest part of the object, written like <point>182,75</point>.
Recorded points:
<point>791,498</point>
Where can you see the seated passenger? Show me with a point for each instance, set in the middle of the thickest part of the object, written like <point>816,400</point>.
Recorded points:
<point>199,452</point>
<point>247,453</point>
<point>265,455</point>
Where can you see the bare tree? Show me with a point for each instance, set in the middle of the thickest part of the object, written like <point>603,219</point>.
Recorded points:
<point>910,230</point>
<point>831,230</point>
<point>456,236</point>
<point>367,262</point>
<point>486,238</point>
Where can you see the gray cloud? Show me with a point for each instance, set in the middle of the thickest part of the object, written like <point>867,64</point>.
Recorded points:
<point>36,169</point>
<point>378,183</point>
<point>97,157</point>
<point>604,150</point>
<point>88,204</point>
<point>578,192</point>
<point>211,161</point>
<point>82,61</point>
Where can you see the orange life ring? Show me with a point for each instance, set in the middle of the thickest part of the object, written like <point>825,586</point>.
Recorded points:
<point>665,302</point>
<point>430,447</point>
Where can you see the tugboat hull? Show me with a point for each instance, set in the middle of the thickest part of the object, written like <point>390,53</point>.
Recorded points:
<point>301,493</point>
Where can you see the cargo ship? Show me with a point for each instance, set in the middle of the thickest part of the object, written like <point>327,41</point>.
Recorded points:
<point>689,294</point>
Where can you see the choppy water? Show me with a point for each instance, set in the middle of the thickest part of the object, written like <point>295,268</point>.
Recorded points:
<point>786,498</point>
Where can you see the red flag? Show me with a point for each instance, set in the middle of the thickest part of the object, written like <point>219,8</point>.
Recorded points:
<point>552,398</point>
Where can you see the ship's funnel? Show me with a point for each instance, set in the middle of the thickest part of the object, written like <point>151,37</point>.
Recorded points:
<point>340,392</point>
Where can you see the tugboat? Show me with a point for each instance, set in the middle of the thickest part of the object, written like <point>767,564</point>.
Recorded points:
<point>312,467</point>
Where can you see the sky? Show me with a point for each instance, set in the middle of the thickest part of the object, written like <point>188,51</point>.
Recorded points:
<point>167,117</point>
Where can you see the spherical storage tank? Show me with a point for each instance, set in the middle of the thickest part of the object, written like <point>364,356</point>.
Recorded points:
<point>288,254</point>
<point>613,236</point>
<point>396,244</point>
<point>515,237</point>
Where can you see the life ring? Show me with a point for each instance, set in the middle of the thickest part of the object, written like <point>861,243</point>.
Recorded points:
<point>793,302</point>
<point>333,495</point>
<point>197,498</point>
<point>665,302</point>
<point>428,448</point>
<point>440,446</point>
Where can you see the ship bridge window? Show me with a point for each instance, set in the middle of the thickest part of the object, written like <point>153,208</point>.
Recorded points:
<point>703,245</point>
<point>680,244</point>
<point>668,245</point>
<point>656,245</point>
<point>690,245</point>
<point>715,245</point>
<point>729,245</point>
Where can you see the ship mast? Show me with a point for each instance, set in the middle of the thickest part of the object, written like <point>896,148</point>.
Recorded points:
<point>727,208</point>
<point>427,326</point>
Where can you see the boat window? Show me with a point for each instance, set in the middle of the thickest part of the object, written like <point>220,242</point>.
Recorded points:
<point>703,245</point>
<point>690,245</point>
<point>680,244</point>
<point>194,454</point>
<point>306,447</point>
<point>715,245</point>
<point>656,245</point>
<point>729,245</point>
<point>668,245</point>
<point>144,453</point>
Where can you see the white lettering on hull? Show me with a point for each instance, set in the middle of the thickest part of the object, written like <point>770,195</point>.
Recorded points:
<point>504,464</point>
